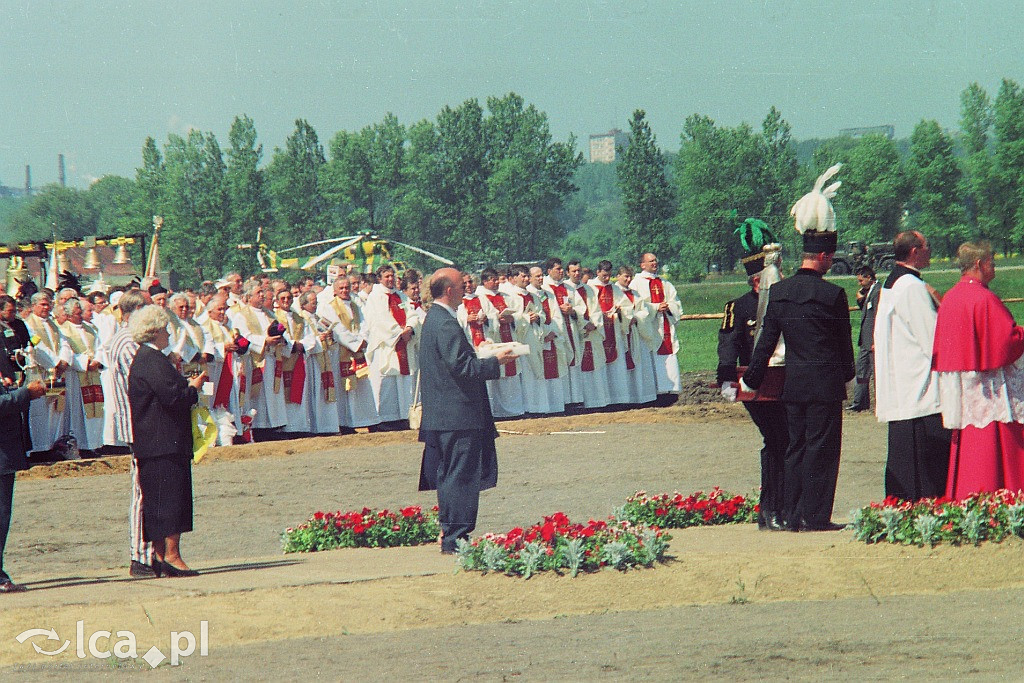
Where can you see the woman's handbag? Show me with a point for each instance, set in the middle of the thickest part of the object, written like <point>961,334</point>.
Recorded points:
<point>416,409</point>
<point>204,431</point>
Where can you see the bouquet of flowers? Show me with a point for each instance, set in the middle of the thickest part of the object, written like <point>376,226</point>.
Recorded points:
<point>365,528</point>
<point>698,509</point>
<point>929,521</point>
<point>558,545</point>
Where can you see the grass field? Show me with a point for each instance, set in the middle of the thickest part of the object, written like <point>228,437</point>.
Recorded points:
<point>699,338</point>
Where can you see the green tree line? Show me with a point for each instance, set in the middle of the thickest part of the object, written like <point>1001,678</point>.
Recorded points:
<point>487,183</point>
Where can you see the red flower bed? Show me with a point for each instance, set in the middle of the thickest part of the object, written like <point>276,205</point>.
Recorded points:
<point>366,528</point>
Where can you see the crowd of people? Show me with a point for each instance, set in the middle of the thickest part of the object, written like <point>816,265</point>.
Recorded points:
<point>296,358</point>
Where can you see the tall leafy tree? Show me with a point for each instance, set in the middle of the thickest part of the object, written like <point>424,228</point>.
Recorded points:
<point>875,190</point>
<point>935,177</point>
<point>1008,125</point>
<point>294,173</point>
<point>528,178</point>
<point>647,197</point>
<point>62,209</point>
<point>979,184</point>
<point>113,198</point>
<point>197,209</point>
<point>778,172</point>
<point>248,198</point>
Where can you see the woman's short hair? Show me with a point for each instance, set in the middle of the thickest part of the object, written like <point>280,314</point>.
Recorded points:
<point>70,304</point>
<point>970,253</point>
<point>147,322</point>
<point>131,301</point>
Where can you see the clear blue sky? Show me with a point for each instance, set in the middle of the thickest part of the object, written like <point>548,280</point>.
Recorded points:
<point>91,79</point>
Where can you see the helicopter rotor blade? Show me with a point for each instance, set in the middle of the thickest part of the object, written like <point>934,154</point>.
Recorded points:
<point>332,240</point>
<point>313,262</point>
<point>442,259</point>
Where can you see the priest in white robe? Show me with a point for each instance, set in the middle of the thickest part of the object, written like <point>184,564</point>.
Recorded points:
<point>356,405</point>
<point>392,322</point>
<point>591,333</point>
<point>51,356</point>
<point>546,391</point>
<point>226,370</point>
<point>566,316</point>
<point>662,295</point>
<point>84,392</point>
<point>321,390</point>
<point>294,373</point>
<point>508,324</point>
<point>265,392</point>
<point>641,334</point>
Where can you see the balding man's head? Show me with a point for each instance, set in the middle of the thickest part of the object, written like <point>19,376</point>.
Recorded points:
<point>446,286</point>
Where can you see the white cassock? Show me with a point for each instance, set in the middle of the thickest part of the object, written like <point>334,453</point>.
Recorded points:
<point>84,415</point>
<point>905,385</point>
<point>506,392</point>
<point>662,356</point>
<point>391,360</point>
<point>569,330</point>
<point>106,325</point>
<point>593,372</point>
<point>295,370</point>
<point>613,347</point>
<point>47,416</point>
<point>356,405</point>
<point>261,364</point>
<point>226,372</point>
<point>641,334</point>
<point>189,342</point>
<point>321,397</point>
<point>545,390</point>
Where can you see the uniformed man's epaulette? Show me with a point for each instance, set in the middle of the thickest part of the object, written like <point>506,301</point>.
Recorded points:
<point>729,319</point>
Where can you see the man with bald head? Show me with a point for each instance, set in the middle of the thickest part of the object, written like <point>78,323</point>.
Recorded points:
<point>458,429</point>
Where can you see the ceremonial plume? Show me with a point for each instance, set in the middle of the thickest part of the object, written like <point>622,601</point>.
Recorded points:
<point>813,212</point>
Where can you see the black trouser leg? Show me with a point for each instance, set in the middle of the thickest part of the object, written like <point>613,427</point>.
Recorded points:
<point>6,507</point>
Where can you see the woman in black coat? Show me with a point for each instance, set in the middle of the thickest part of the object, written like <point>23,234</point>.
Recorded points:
<point>161,403</point>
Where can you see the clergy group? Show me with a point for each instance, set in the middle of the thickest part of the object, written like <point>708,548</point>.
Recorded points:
<point>294,358</point>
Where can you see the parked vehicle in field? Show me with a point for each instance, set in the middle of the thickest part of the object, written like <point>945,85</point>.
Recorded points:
<point>878,255</point>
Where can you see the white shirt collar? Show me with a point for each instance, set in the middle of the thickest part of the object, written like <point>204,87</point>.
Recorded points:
<point>445,307</point>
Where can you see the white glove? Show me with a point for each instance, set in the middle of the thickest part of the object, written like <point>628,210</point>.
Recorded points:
<point>746,389</point>
<point>729,390</point>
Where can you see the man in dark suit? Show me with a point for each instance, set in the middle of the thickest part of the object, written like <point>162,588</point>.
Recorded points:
<point>14,443</point>
<point>867,300</point>
<point>457,423</point>
<point>813,317</point>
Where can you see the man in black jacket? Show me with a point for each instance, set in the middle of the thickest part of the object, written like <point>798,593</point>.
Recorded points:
<point>457,422</point>
<point>14,443</point>
<point>814,318</point>
<point>867,300</point>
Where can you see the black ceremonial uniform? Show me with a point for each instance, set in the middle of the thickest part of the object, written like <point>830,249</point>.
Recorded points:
<point>735,344</point>
<point>814,317</point>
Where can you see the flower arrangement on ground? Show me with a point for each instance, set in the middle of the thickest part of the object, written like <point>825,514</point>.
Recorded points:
<point>929,521</point>
<point>363,529</point>
<point>698,509</point>
<point>556,544</point>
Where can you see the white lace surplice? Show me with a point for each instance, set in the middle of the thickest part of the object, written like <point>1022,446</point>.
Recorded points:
<point>977,399</point>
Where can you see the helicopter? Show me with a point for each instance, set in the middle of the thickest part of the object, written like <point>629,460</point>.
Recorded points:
<point>365,248</point>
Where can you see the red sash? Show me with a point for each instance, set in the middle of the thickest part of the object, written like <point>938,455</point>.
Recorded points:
<point>504,328</point>
<point>560,296</point>
<point>657,297</point>
<point>398,313</point>
<point>588,349</point>
<point>222,399</point>
<point>257,376</point>
<point>476,329</point>
<point>92,393</point>
<point>630,365</point>
<point>295,380</point>
<point>550,354</point>
<point>606,298</point>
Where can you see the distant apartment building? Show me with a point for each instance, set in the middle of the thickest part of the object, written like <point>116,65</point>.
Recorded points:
<point>603,146</point>
<point>888,131</point>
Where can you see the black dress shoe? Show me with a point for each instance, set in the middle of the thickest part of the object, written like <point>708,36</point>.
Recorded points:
<point>138,570</point>
<point>773,523</point>
<point>786,525</point>
<point>9,586</point>
<point>171,571</point>
<point>821,526</point>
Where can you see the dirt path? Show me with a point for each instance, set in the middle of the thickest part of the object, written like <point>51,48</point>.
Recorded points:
<point>734,602</point>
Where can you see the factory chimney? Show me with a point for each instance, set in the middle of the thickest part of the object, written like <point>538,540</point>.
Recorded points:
<point>60,170</point>
<point>28,181</point>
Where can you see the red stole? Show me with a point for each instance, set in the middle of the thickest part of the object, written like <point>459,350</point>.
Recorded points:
<point>606,297</point>
<point>630,365</point>
<point>476,329</point>
<point>550,354</point>
<point>295,380</point>
<point>657,297</point>
<point>587,365</point>
<point>504,328</point>
<point>560,296</point>
<point>222,398</point>
<point>398,313</point>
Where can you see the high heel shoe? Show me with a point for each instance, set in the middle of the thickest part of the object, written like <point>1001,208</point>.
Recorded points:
<point>171,571</point>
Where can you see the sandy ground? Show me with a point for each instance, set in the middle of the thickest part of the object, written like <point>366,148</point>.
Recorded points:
<point>732,602</point>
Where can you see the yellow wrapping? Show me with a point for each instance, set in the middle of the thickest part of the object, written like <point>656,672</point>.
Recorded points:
<point>205,436</point>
